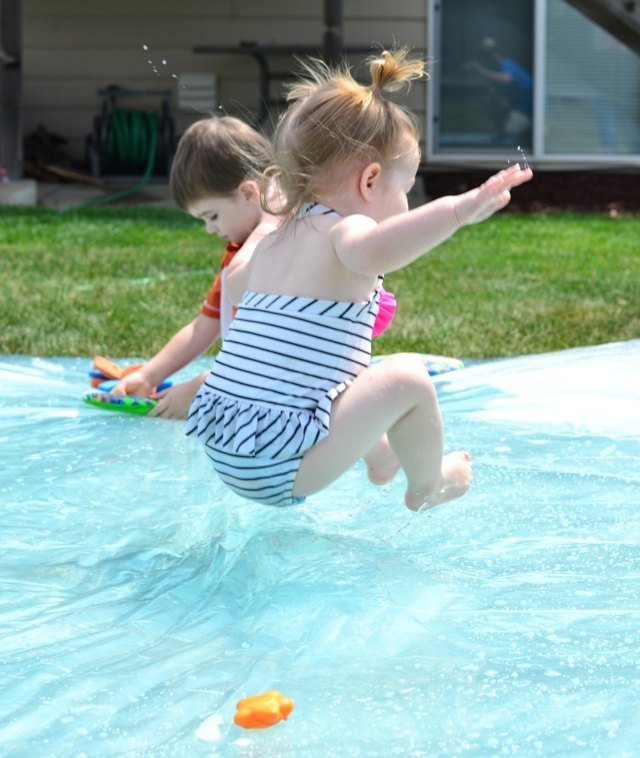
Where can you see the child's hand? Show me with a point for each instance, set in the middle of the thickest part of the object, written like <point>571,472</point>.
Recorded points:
<point>480,203</point>
<point>133,384</point>
<point>175,401</point>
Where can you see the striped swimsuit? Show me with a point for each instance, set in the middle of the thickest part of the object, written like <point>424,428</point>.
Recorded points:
<point>268,397</point>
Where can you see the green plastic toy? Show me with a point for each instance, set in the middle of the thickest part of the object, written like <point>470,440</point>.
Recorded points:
<point>139,406</point>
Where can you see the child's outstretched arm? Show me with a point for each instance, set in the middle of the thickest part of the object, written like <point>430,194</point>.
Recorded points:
<point>185,346</point>
<point>374,248</point>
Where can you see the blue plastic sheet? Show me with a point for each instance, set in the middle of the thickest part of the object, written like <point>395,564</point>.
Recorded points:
<point>140,600</point>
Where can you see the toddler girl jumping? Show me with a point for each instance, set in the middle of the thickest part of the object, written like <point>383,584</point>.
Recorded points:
<point>291,401</point>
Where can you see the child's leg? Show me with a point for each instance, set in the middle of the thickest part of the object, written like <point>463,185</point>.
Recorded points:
<point>395,396</point>
<point>382,463</point>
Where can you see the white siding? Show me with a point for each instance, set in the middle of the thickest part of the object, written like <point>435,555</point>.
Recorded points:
<point>72,48</point>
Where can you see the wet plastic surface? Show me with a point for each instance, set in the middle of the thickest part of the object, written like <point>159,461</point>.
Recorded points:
<point>141,600</point>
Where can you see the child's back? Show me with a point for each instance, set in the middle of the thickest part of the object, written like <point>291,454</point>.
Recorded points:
<point>301,260</point>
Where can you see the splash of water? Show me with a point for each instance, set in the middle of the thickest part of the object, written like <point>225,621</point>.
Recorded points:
<point>163,62</point>
<point>525,163</point>
<point>173,75</point>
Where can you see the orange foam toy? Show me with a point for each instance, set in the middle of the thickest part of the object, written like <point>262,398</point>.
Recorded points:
<point>112,370</point>
<point>261,711</point>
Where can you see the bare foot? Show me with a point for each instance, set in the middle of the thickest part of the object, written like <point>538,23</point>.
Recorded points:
<point>455,480</point>
<point>382,464</point>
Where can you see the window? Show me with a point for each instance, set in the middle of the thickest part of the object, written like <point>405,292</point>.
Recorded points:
<point>484,66</point>
<point>528,75</point>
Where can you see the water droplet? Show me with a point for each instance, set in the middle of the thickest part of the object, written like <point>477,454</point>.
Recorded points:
<point>174,76</point>
<point>524,157</point>
<point>164,62</point>
<point>145,47</point>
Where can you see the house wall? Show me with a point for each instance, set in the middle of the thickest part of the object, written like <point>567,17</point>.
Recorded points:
<point>72,48</point>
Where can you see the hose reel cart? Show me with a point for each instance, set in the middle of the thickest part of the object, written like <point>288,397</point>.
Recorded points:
<point>128,141</point>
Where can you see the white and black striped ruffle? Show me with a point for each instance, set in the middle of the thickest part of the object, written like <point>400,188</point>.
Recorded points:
<point>282,364</point>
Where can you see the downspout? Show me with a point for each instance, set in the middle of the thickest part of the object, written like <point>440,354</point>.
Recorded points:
<point>332,45</point>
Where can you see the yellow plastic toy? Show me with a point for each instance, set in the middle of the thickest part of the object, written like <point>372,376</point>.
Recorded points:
<point>261,711</point>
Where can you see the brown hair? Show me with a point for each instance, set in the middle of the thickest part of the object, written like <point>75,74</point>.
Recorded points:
<point>335,121</point>
<point>214,156</point>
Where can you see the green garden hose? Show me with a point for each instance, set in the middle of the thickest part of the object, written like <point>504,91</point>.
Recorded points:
<point>132,141</point>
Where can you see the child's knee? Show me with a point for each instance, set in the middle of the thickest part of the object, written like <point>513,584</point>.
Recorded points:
<point>412,374</point>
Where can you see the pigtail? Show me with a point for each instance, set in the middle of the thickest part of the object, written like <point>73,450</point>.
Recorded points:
<point>391,71</point>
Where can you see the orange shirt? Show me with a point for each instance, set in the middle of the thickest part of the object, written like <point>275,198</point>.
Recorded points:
<point>212,305</point>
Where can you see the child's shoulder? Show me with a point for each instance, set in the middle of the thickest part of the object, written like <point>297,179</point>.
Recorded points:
<point>265,228</point>
<point>352,224</point>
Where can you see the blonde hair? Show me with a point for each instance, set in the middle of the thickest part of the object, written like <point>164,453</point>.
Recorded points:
<point>335,121</point>
<point>214,156</point>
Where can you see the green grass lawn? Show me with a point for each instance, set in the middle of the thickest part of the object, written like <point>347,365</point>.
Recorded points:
<point>120,281</point>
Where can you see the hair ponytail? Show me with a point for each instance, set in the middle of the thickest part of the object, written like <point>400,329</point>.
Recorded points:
<point>391,71</point>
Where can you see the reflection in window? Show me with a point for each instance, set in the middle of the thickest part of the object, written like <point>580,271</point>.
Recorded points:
<point>592,87</point>
<point>485,65</point>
